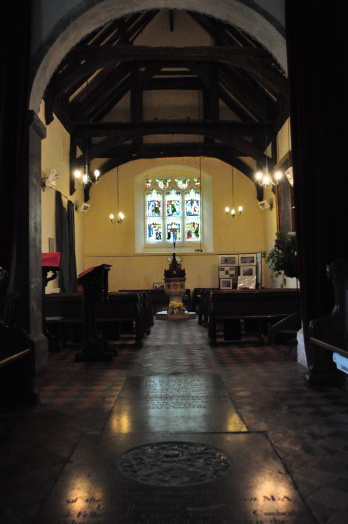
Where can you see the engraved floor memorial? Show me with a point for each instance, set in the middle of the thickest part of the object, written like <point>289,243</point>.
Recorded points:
<point>178,404</point>
<point>175,450</point>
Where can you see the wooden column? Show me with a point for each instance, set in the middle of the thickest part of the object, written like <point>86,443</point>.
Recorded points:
<point>31,244</point>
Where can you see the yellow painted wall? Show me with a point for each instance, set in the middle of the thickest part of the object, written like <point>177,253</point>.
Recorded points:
<point>270,216</point>
<point>55,155</point>
<point>115,243</point>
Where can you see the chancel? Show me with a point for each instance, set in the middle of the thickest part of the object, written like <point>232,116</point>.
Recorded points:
<point>153,119</point>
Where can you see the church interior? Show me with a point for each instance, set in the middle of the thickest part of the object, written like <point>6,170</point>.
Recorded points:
<point>173,264</point>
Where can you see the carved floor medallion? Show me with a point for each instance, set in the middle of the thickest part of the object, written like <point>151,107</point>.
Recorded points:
<point>174,463</point>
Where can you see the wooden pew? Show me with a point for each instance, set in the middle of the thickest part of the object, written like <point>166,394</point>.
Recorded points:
<point>123,309</point>
<point>65,316</point>
<point>253,304</point>
<point>17,357</point>
<point>330,334</point>
<point>203,303</point>
<point>146,306</point>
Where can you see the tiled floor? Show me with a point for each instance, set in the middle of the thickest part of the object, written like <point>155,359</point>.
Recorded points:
<point>308,429</point>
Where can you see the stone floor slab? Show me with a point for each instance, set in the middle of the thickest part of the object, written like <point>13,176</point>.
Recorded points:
<point>176,403</point>
<point>251,487</point>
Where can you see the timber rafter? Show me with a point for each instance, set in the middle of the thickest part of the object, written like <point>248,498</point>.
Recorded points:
<point>108,67</point>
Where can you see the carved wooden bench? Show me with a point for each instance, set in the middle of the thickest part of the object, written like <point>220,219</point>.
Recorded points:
<point>258,305</point>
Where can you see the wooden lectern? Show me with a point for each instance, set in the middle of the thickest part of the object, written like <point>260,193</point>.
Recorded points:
<point>95,289</point>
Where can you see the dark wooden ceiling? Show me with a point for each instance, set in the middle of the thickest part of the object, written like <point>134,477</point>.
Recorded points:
<point>235,69</point>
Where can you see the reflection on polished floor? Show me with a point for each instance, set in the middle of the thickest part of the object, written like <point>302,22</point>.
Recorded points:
<point>91,453</point>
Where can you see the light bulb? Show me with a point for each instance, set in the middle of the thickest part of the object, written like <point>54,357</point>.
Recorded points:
<point>85,178</point>
<point>96,174</point>
<point>258,176</point>
<point>233,212</point>
<point>77,173</point>
<point>227,210</point>
<point>240,209</point>
<point>121,216</point>
<point>112,216</point>
<point>278,175</point>
<point>266,180</point>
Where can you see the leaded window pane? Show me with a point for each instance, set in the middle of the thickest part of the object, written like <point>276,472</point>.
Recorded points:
<point>154,230</point>
<point>173,231</point>
<point>163,183</point>
<point>192,203</point>
<point>192,230</point>
<point>173,203</point>
<point>182,183</point>
<point>154,204</point>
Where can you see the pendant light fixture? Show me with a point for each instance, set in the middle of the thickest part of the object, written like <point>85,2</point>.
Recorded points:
<point>119,218</point>
<point>232,212</point>
<point>85,177</point>
<point>263,177</point>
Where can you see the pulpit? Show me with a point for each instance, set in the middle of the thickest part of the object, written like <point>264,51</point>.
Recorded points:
<point>95,289</point>
<point>50,266</point>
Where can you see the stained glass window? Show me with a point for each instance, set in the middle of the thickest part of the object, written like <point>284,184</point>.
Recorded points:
<point>148,183</point>
<point>173,211</point>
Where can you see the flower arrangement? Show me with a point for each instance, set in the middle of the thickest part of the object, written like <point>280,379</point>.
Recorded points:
<point>283,256</point>
<point>175,306</point>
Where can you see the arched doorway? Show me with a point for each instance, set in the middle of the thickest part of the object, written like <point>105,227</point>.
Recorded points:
<point>88,19</point>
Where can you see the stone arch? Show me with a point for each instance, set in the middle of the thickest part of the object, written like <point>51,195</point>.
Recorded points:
<point>88,16</point>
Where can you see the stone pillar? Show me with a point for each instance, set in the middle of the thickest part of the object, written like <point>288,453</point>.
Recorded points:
<point>37,132</point>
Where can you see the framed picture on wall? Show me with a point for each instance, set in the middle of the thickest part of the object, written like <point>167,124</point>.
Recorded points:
<point>248,271</point>
<point>227,271</point>
<point>226,283</point>
<point>228,260</point>
<point>246,283</point>
<point>247,259</point>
